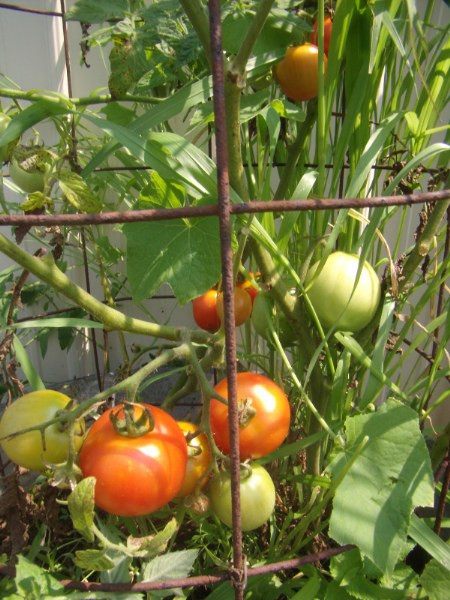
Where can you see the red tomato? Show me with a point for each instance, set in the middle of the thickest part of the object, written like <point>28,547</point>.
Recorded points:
<point>205,311</point>
<point>297,73</point>
<point>242,306</point>
<point>327,27</point>
<point>248,286</point>
<point>199,458</point>
<point>134,476</point>
<point>266,429</point>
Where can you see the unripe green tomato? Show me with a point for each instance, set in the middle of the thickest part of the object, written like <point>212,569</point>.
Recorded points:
<point>334,296</point>
<point>33,409</point>
<point>29,168</point>
<point>257,493</point>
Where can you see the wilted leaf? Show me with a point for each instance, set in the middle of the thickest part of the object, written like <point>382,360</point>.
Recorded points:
<point>77,192</point>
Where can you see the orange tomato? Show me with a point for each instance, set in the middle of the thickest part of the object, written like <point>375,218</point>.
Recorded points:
<point>297,73</point>
<point>199,457</point>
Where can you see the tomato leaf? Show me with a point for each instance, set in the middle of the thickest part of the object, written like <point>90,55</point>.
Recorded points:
<point>435,580</point>
<point>391,476</point>
<point>81,507</point>
<point>33,582</point>
<point>30,372</point>
<point>152,545</point>
<point>184,253</point>
<point>172,565</point>
<point>93,560</point>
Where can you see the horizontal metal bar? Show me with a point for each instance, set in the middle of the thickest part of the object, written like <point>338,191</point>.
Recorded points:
<point>35,11</point>
<point>161,214</point>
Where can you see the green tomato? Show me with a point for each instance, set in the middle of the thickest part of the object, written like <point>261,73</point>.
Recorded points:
<point>335,298</point>
<point>257,497</point>
<point>29,168</point>
<point>27,449</point>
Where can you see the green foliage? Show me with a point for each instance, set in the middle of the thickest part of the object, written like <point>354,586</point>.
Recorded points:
<point>355,465</point>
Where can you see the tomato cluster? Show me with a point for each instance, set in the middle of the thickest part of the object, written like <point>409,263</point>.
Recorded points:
<point>141,458</point>
<point>208,309</point>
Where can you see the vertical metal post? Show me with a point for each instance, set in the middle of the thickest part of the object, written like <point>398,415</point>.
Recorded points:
<point>227,284</point>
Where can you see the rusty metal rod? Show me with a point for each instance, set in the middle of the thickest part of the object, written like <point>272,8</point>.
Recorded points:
<point>224,213</point>
<point>196,581</point>
<point>35,11</point>
<point>161,214</point>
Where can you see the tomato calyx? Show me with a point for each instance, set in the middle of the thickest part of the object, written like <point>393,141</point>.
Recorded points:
<point>246,412</point>
<point>132,425</point>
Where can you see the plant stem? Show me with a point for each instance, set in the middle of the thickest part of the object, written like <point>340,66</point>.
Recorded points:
<point>83,101</point>
<point>424,242</point>
<point>113,320</point>
<point>295,151</point>
<point>240,62</point>
<point>199,21</point>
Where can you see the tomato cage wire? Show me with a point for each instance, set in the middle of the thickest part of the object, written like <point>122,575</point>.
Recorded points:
<point>238,571</point>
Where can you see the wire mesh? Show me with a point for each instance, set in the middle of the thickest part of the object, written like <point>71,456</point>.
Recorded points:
<point>238,572</point>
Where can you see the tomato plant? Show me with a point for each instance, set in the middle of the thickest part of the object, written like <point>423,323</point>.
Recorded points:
<point>265,415</point>
<point>327,28</point>
<point>204,309</point>
<point>134,475</point>
<point>34,409</point>
<point>257,494</point>
<point>199,458</point>
<point>334,296</point>
<point>242,306</point>
<point>297,73</point>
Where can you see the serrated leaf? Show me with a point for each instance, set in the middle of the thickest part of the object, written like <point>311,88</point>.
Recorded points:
<point>81,507</point>
<point>92,11</point>
<point>373,504</point>
<point>435,580</point>
<point>77,192</point>
<point>183,253</point>
<point>93,560</point>
<point>34,201</point>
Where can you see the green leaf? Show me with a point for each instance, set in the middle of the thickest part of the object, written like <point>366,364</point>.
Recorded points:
<point>34,582</point>
<point>93,560</point>
<point>92,11</point>
<point>184,253</point>
<point>27,367</point>
<point>161,193</point>
<point>172,565</point>
<point>81,507</point>
<point>435,580</point>
<point>77,193</point>
<point>390,477</point>
<point>429,541</point>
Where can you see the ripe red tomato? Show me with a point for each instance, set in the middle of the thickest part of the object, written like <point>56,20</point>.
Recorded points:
<point>33,409</point>
<point>266,429</point>
<point>199,458</point>
<point>248,286</point>
<point>205,311</point>
<point>257,493</point>
<point>242,306</point>
<point>134,475</point>
<point>297,73</point>
<point>334,296</point>
<point>314,36</point>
